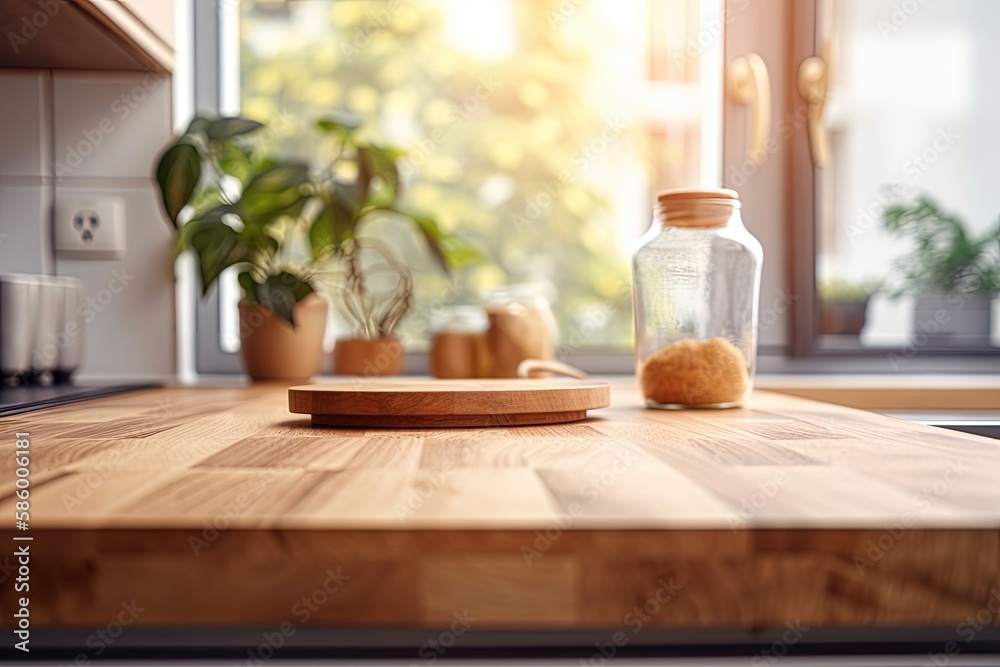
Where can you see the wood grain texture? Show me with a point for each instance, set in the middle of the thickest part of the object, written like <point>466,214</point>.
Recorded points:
<point>915,398</point>
<point>84,35</point>
<point>396,403</point>
<point>219,507</point>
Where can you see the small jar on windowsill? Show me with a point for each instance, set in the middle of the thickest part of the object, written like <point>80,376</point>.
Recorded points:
<point>521,327</point>
<point>696,286</point>
<point>458,342</point>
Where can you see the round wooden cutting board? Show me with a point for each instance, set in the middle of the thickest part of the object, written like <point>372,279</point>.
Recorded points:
<point>403,403</point>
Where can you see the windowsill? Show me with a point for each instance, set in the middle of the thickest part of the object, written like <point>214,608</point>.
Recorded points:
<point>952,383</point>
<point>890,391</point>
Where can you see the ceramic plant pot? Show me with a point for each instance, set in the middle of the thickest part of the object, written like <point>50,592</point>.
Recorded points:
<point>954,319</point>
<point>273,349</point>
<point>369,358</point>
<point>843,318</point>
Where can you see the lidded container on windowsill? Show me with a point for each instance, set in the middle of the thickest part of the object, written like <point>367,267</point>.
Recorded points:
<point>521,326</point>
<point>458,342</point>
<point>696,286</point>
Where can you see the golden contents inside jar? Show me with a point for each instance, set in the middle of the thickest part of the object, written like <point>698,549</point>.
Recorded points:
<point>696,372</point>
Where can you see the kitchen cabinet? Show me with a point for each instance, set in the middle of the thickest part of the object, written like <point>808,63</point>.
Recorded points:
<point>217,508</point>
<point>124,35</point>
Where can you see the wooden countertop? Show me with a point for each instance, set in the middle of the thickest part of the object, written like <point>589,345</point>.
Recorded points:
<point>219,507</point>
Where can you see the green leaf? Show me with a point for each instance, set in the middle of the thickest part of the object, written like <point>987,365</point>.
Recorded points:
<point>204,200</point>
<point>197,125</point>
<point>249,285</point>
<point>280,177</point>
<point>228,127</point>
<point>459,253</point>
<point>281,292</point>
<point>334,225</point>
<point>340,123</point>
<point>320,235</point>
<point>256,239</point>
<point>234,161</point>
<point>378,164</point>
<point>434,237</point>
<point>218,247</point>
<point>275,192</point>
<point>177,174</point>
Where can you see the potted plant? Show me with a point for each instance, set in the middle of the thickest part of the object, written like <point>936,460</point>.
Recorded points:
<point>844,307</point>
<point>371,287</point>
<point>952,272</point>
<point>234,205</point>
<point>289,232</point>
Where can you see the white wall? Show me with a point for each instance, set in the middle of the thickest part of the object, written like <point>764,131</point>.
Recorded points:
<point>25,172</point>
<point>66,135</point>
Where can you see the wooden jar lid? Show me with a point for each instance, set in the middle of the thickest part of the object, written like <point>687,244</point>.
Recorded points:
<point>697,208</point>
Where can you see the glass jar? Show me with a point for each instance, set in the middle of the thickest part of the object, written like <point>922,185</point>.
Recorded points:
<point>696,278</point>
<point>458,342</point>
<point>521,326</point>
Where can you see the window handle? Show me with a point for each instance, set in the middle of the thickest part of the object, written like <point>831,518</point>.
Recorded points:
<point>749,84</point>
<point>813,87</point>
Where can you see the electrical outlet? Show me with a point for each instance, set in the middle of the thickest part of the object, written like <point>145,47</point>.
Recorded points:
<point>90,228</point>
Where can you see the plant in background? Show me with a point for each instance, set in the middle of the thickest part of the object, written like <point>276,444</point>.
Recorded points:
<point>486,162</point>
<point>844,306</point>
<point>235,205</point>
<point>845,291</point>
<point>359,184</point>
<point>287,230</point>
<point>946,256</point>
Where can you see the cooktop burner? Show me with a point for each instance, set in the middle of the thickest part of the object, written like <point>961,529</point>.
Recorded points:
<point>26,398</point>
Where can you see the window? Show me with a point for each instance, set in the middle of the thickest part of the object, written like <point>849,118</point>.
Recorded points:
<point>539,131</point>
<point>870,102</point>
<point>910,128</point>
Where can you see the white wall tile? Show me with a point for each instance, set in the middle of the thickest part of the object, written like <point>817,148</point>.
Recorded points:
<point>24,232</point>
<point>109,125</point>
<point>25,130</point>
<point>130,332</point>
